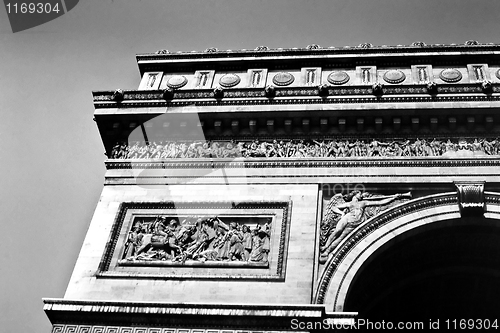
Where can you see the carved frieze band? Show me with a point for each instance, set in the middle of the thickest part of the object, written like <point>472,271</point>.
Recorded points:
<point>332,148</point>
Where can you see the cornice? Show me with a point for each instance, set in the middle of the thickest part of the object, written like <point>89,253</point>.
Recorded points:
<point>260,163</point>
<point>362,49</point>
<point>305,310</point>
<point>127,316</point>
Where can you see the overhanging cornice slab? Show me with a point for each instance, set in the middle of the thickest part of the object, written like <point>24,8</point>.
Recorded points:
<point>244,316</point>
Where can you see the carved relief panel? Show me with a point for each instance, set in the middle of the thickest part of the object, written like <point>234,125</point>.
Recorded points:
<point>444,75</point>
<point>198,239</point>
<point>284,78</point>
<point>203,79</point>
<point>177,81</point>
<point>393,75</point>
<point>342,213</point>
<point>366,75</point>
<point>421,74</point>
<point>256,78</point>
<point>228,80</point>
<point>151,81</point>
<point>478,72</point>
<point>311,76</point>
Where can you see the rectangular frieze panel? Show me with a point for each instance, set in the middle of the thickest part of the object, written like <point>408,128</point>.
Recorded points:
<point>203,79</point>
<point>366,75</point>
<point>170,240</point>
<point>256,78</point>
<point>421,74</point>
<point>151,81</point>
<point>478,72</point>
<point>311,76</point>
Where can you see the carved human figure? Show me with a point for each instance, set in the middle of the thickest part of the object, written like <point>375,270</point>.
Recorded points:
<point>247,242</point>
<point>352,213</point>
<point>134,241</point>
<point>236,250</point>
<point>260,248</point>
<point>375,148</point>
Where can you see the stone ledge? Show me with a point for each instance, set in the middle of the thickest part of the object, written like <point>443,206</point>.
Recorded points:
<point>192,315</point>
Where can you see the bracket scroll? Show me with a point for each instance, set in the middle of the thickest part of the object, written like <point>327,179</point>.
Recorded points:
<point>470,197</point>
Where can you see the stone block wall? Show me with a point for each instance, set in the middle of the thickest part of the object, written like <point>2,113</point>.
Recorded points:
<point>296,288</point>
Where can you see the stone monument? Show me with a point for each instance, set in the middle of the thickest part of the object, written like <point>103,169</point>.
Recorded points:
<point>254,190</point>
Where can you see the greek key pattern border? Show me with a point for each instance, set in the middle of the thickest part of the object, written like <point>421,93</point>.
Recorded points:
<point>67,328</point>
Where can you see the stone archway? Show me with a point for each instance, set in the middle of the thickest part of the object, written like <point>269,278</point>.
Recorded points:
<point>422,216</point>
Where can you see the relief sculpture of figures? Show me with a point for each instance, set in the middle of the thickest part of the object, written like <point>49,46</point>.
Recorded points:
<point>332,148</point>
<point>345,213</point>
<point>197,239</point>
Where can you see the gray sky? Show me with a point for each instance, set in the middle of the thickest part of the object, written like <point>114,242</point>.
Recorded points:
<point>52,155</point>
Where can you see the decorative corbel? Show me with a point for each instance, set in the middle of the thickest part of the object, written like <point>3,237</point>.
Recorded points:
<point>470,197</point>
<point>270,92</point>
<point>118,95</point>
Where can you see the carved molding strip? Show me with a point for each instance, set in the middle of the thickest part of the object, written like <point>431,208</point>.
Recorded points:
<point>275,270</point>
<point>299,163</point>
<point>363,94</point>
<point>371,225</point>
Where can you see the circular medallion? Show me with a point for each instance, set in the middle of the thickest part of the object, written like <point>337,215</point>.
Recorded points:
<point>498,74</point>
<point>229,80</point>
<point>338,77</point>
<point>283,79</point>
<point>450,75</point>
<point>177,81</point>
<point>394,76</point>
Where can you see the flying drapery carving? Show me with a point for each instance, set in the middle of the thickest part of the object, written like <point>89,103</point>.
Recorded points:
<point>345,213</point>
